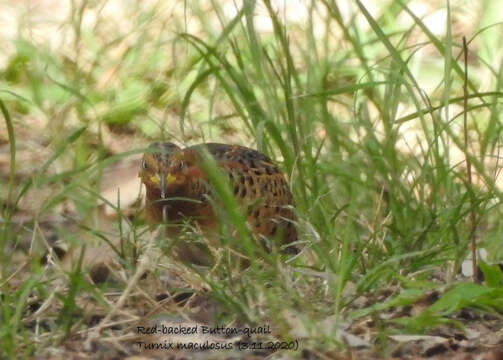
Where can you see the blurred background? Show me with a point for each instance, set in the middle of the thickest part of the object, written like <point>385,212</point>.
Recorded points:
<point>361,104</point>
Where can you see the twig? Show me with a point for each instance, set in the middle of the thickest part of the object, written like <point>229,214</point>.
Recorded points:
<point>144,263</point>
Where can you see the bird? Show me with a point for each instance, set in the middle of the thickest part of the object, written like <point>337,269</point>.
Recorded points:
<point>178,192</point>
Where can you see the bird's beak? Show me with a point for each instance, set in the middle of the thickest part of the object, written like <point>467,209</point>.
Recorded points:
<point>163,181</point>
<point>163,186</point>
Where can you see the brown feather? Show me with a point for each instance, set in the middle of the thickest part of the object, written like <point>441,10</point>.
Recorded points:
<point>258,185</point>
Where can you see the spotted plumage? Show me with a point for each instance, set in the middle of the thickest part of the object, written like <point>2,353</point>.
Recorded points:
<point>178,190</point>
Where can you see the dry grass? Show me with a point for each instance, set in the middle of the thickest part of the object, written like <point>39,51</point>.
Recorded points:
<point>361,104</point>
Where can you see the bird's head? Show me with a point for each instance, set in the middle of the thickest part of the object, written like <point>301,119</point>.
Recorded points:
<point>162,168</point>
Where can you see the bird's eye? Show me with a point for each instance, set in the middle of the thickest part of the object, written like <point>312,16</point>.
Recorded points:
<point>143,164</point>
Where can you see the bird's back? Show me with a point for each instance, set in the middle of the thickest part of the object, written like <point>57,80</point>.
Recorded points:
<point>260,187</point>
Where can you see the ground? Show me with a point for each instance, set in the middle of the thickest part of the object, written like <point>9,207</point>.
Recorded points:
<point>389,136</point>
